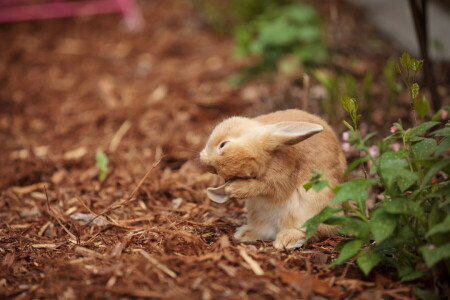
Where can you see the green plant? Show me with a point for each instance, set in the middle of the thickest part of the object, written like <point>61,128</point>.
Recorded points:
<point>408,68</point>
<point>224,15</point>
<point>101,162</point>
<point>292,30</point>
<point>411,224</point>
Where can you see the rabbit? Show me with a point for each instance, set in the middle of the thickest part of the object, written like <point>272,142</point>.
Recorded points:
<point>265,161</point>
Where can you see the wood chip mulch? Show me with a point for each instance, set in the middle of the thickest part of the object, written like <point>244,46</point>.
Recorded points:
<point>72,87</point>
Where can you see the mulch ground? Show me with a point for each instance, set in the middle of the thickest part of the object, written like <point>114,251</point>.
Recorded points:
<point>70,88</point>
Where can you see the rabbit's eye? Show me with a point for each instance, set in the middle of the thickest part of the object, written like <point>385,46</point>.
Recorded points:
<point>223,144</point>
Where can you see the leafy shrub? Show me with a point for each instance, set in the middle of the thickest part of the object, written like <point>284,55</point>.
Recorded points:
<point>223,15</point>
<point>293,30</point>
<point>410,225</point>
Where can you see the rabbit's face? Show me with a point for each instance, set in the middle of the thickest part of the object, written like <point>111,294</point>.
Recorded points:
<point>235,150</point>
<point>240,148</point>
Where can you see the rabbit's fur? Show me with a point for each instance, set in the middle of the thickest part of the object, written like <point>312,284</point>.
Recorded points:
<point>265,161</point>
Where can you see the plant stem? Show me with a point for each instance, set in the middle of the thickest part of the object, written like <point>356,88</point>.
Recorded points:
<point>357,212</point>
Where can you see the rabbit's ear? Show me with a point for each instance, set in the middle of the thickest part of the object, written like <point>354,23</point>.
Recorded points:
<point>291,133</point>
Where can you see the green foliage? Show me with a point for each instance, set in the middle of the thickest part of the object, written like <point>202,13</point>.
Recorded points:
<point>284,31</point>
<point>351,106</point>
<point>411,224</point>
<point>101,162</point>
<point>424,294</point>
<point>408,68</point>
<point>316,183</point>
<point>224,15</point>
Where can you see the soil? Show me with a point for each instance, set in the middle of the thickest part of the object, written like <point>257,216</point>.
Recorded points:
<point>70,88</point>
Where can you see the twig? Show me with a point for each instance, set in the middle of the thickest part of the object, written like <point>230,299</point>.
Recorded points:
<point>120,133</point>
<point>145,177</point>
<point>251,262</point>
<point>156,263</point>
<point>122,202</point>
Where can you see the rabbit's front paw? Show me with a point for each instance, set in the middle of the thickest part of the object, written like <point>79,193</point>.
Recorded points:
<point>289,239</point>
<point>246,233</point>
<point>239,188</point>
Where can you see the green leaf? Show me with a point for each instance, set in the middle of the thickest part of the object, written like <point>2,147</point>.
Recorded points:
<point>406,273</point>
<point>412,276</point>
<point>368,261</point>
<point>432,255</point>
<point>406,207</point>
<point>424,294</point>
<point>439,165</point>
<point>442,189</point>
<point>392,170</point>
<point>421,106</point>
<point>443,146</point>
<point>444,226</point>
<point>349,104</point>
<point>355,190</point>
<point>350,249</point>
<point>405,60</point>
<point>102,165</point>
<point>416,64</point>
<point>312,224</point>
<point>402,236</point>
<point>442,132</point>
<point>320,185</point>
<point>307,186</point>
<point>414,90</point>
<point>424,148</point>
<point>351,225</point>
<point>350,127</point>
<point>382,224</point>
<point>419,129</point>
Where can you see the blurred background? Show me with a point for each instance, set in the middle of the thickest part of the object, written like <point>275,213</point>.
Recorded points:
<point>150,77</point>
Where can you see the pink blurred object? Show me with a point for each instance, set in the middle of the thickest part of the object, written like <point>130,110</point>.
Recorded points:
<point>24,10</point>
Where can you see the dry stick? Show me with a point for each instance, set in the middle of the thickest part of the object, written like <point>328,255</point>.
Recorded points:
<point>117,138</point>
<point>124,201</point>
<point>145,177</point>
<point>156,263</point>
<point>256,268</point>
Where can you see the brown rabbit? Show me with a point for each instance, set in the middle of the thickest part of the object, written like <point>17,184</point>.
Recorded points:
<point>265,161</point>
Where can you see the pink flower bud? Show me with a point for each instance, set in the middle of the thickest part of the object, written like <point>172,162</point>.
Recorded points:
<point>444,114</point>
<point>345,136</point>
<point>394,129</point>
<point>431,247</point>
<point>396,147</point>
<point>374,151</point>
<point>346,147</point>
